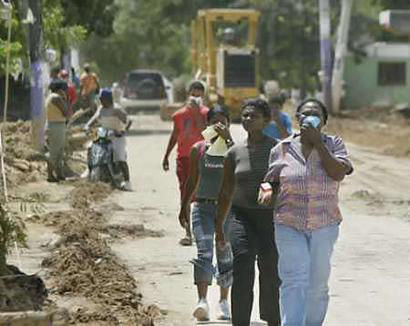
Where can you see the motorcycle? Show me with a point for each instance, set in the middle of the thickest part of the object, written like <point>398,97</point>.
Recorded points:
<point>101,165</point>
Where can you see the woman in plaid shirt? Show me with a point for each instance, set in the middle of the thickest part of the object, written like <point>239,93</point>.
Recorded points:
<point>308,168</point>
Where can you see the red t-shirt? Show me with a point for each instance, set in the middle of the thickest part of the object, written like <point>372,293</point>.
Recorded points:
<point>72,94</point>
<point>188,132</point>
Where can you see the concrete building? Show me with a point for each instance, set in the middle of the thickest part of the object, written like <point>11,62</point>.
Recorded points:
<point>382,78</point>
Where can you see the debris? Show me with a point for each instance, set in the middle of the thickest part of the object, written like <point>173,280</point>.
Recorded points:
<point>19,291</point>
<point>82,263</point>
<point>24,164</point>
<point>86,193</point>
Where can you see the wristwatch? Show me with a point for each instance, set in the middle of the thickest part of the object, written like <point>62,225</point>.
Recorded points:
<point>229,142</point>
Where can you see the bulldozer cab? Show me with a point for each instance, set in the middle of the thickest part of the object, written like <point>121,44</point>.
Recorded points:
<point>224,54</point>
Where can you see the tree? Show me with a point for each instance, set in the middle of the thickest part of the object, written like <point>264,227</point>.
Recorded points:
<point>156,34</point>
<point>149,34</point>
<point>392,4</point>
<point>95,16</point>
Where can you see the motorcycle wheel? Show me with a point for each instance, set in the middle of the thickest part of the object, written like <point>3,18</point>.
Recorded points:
<point>100,174</point>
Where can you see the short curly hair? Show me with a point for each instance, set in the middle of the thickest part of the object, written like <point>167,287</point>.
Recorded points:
<point>319,103</point>
<point>196,84</point>
<point>258,104</point>
<point>218,109</point>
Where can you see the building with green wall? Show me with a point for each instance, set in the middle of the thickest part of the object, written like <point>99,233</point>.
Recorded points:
<point>381,79</point>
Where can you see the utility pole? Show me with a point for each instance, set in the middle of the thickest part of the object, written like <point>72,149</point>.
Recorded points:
<point>325,52</point>
<point>37,80</point>
<point>340,52</point>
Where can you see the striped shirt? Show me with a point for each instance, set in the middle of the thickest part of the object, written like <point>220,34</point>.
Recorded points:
<point>250,164</point>
<point>308,197</point>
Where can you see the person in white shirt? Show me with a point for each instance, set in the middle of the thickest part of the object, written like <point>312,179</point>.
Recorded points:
<point>115,119</point>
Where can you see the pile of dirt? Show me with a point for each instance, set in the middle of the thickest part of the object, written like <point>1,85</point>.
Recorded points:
<point>86,193</point>
<point>21,292</point>
<point>385,132</point>
<point>63,221</point>
<point>23,164</point>
<point>82,263</point>
<point>134,231</point>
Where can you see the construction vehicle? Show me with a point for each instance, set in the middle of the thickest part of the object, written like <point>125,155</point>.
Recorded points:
<point>225,56</point>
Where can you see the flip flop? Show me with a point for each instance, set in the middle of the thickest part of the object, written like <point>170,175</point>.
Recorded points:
<point>186,241</point>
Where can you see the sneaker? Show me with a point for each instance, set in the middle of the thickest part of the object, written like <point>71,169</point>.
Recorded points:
<point>201,312</point>
<point>224,310</point>
<point>126,185</point>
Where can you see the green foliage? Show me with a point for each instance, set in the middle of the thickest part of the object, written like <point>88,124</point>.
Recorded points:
<point>56,33</point>
<point>392,4</point>
<point>65,23</point>
<point>16,48</point>
<point>12,230</point>
<point>15,52</point>
<point>289,42</point>
<point>391,36</point>
<point>156,34</point>
<point>96,16</point>
<point>128,34</point>
<point>148,34</point>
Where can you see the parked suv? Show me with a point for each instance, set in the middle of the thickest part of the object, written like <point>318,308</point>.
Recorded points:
<point>144,90</point>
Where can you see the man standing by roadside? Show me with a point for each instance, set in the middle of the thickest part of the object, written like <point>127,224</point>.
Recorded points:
<point>58,111</point>
<point>89,88</point>
<point>189,122</point>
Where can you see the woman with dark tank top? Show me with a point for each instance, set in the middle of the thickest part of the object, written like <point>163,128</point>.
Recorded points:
<point>205,179</point>
<point>251,226</point>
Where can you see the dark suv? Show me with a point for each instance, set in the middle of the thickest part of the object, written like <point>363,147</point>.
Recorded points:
<point>143,90</point>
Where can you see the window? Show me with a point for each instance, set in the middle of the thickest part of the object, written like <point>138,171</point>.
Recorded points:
<point>392,73</point>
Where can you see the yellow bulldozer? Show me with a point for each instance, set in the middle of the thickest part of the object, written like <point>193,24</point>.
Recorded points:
<point>225,56</point>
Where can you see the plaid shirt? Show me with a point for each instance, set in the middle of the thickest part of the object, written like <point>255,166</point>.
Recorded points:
<point>308,197</point>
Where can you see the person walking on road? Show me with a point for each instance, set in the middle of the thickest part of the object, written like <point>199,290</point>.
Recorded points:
<point>89,88</point>
<point>205,179</point>
<point>251,227</point>
<point>281,125</point>
<point>188,124</point>
<point>308,167</point>
<point>58,112</point>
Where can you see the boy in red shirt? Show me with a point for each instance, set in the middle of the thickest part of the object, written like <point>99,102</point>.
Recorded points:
<point>71,91</point>
<point>189,122</point>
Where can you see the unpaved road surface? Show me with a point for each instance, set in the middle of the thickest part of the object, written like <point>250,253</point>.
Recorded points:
<point>370,283</point>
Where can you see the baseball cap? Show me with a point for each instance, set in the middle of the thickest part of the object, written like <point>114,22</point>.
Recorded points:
<point>106,93</point>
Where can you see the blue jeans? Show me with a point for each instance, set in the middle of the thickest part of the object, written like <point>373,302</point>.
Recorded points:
<point>203,228</point>
<point>304,269</point>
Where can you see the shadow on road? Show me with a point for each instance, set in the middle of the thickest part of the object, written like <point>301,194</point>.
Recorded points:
<point>144,132</point>
<point>221,322</point>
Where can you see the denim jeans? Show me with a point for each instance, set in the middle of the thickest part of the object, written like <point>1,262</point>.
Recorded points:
<point>252,238</point>
<point>203,228</point>
<point>304,269</point>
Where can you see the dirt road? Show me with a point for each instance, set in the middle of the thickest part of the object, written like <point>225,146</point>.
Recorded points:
<point>370,281</point>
